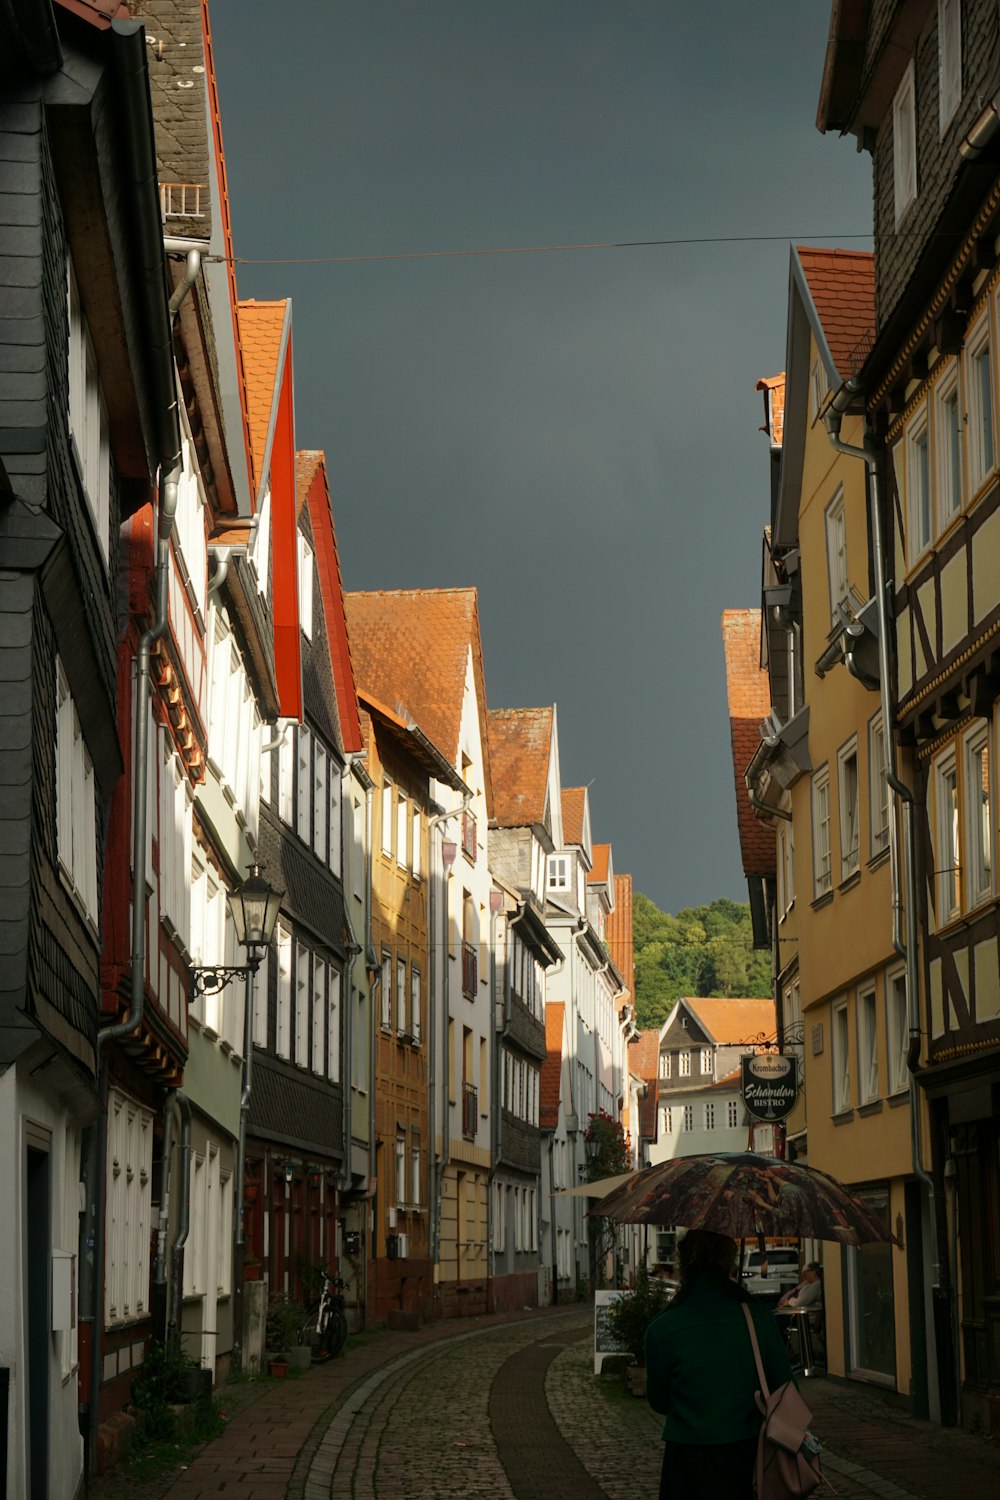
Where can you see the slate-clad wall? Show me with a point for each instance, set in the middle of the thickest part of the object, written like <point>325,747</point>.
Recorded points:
<point>54,951</point>
<point>897,253</point>
<point>521,1144</point>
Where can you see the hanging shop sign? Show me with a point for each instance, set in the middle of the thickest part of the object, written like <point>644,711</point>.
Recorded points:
<point>770,1086</point>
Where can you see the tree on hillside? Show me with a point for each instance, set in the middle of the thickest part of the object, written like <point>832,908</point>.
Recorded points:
<point>704,950</point>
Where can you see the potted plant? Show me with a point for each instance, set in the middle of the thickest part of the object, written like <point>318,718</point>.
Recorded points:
<point>628,1319</point>
<point>252,1268</point>
<point>281,1334</point>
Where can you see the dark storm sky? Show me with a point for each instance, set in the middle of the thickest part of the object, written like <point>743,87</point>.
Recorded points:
<point>575,434</point>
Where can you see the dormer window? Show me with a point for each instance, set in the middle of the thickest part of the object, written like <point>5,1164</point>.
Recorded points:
<point>558,872</point>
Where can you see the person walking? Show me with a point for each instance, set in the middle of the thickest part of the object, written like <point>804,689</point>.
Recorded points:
<point>702,1377</point>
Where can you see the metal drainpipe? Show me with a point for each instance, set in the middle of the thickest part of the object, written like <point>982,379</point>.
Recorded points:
<point>177,1250</point>
<point>868,454</point>
<point>160,1264</point>
<point>218,578</point>
<point>437,1166</point>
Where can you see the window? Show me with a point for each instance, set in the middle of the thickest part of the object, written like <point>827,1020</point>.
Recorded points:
<point>949,60</point>
<point>283,1045</point>
<point>850,837</point>
<point>684,1059</point>
<point>904,145</point>
<point>666,1119</point>
<point>386,988</point>
<point>415,1193</point>
<point>415,864</point>
<point>878,788</point>
<point>836,551</point>
<point>706,1059</point>
<point>664,1064</point>
<point>499,1217</point>
<point>303,785</point>
<point>175,842</point>
<point>867,1047</point>
<point>387,817</point>
<point>400,1171</point>
<point>127,1209</point>
<point>305,588</point>
<point>918,486</point>
<point>335,815</point>
<point>76,806</point>
<point>841,1060</point>
<point>817,387</point>
<point>319,1015</point>
<point>260,999</point>
<point>948,448</point>
<point>979,854</point>
<point>732,1114</point>
<point>400,995</point>
<point>558,869</point>
<point>709,1116</point>
<point>402,825</point>
<point>261,545</point>
<point>898,1029</point>
<point>286,775</point>
<point>302,992</point>
<point>333,1026</point>
<point>88,418</point>
<point>822,872</point>
<point>189,541</point>
<point>979,402</point>
<point>688,1117</point>
<point>946,849</point>
<point>415,1004</point>
<point>320,801</point>
<point>786,869</point>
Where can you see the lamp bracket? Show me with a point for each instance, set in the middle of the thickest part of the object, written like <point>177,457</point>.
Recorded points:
<point>210,979</point>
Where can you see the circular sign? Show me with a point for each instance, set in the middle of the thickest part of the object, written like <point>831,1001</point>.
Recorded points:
<point>769,1086</point>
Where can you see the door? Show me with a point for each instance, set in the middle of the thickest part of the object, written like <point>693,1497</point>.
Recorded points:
<point>38,1297</point>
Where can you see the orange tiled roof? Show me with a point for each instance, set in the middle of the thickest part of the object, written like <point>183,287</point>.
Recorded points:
<point>644,1060</point>
<point>520,743</point>
<point>261,325</point>
<point>728,1079</point>
<point>773,387</point>
<point>313,492</point>
<point>410,648</point>
<point>731,1021</point>
<point>573,801</point>
<point>551,1080</point>
<point>599,869</point>
<point>842,284</point>
<point>618,932</point>
<point>749,692</point>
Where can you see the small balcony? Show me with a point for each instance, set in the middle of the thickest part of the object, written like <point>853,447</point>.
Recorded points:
<point>470,970</point>
<point>470,1110</point>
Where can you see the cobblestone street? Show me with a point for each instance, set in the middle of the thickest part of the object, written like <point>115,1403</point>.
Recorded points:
<point>509,1408</point>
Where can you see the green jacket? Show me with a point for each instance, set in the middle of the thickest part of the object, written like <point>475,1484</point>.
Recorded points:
<point>700,1369</point>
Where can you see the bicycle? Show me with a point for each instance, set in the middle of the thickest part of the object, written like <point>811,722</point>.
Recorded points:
<point>325,1329</point>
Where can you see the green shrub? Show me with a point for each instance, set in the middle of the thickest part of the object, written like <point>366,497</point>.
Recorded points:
<point>631,1315</point>
<point>166,1379</point>
<point>284,1321</point>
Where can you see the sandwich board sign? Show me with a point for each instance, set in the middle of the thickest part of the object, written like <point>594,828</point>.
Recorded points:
<point>769,1085</point>
<point>605,1343</point>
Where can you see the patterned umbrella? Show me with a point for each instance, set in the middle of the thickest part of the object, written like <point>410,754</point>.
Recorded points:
<point>743,1194</point>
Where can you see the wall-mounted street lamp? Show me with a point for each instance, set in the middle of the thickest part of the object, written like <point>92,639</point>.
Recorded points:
<point>254,908</point>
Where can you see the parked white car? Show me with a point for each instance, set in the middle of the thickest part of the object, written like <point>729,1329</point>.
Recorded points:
<point>782,1271</point>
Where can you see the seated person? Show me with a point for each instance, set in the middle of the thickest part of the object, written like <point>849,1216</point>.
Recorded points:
<point>808,1293</point>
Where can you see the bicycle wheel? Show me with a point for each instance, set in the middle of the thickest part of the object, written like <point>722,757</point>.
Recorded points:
<point>316,1338</point>
<point>336,1332</point>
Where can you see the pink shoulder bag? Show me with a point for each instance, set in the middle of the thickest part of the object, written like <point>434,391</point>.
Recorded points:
<point>787,1453</point>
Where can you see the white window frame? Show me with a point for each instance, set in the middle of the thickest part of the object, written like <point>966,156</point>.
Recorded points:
<point>978,860</point>
<point>818,387</point>
<point>283,1035</point>
<point>687,1119</point>
<point>835,523</point>
<point>335,982</point>
<point>76,808</point>
<point>709,1114</point>
<point>557,872</point>
<point>387,818</point>
<point>261,548</point>
<point>416,827</point>
<point>400,995</point>
<point>88,417</point>
<point>947,838</point>
<point>386,989</point>
<point>305,571</point>
<point>879,804</point>
<point>320,975</point>
<point>402,826</point>
<point>128,1210</point>
<point>335,814</point>
<point>303,782</point>
<point>904,145</point>
<point>706,1060</point>
<point>400,1170</point>
<point>303,995</point>
<point>415,1002</point>
<point>684,1064</point>
<point>919,494</point>
<point>949,61</point>
<point>897,1026</point>
<point>840,1057</point>
<point>821,833</point>
<point>949,457</point>
<point>850,818</point>
<point>286,776</point>
<point>322,768</point>
<point>981,423</point>
<point>867,1028</point>
<point>732,1114</point>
